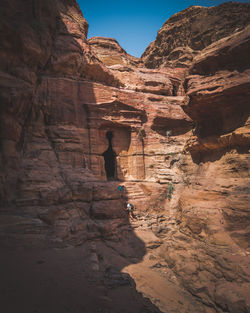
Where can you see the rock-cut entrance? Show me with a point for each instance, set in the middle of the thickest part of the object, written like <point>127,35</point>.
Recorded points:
<point>110,159</point>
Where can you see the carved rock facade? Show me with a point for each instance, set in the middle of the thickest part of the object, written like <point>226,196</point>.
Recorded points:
<point>80,117</point>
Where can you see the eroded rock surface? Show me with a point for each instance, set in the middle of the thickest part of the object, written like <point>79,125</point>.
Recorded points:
<point>188,32</point>
<point>212,210</point>
<point>80,117</point>
<point>110,52</point>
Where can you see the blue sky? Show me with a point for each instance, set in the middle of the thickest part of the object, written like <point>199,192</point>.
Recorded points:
<point>133,23</point>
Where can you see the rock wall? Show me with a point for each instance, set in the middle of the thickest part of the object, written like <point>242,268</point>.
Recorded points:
<point>45,147</point>
<point>213,210</point>
<point>110,52</point>
<point>79,117</point>
<point>188,32</point>
<point>55,120</point>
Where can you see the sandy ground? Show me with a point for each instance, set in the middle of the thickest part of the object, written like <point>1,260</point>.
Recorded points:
<point>116,276</point>
<point>62,280</point>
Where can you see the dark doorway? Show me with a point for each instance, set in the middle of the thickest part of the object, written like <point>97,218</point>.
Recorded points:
<point>110,159</point>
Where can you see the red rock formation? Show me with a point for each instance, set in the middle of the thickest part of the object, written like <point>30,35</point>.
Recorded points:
<point>131,72</point>
<point>80,117</point>
<point>110,52</point>
<point>188,32</point>
<point>212,237</point>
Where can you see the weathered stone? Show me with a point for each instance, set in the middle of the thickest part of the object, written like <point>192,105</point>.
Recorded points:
<point>79,118</point>
<point>186,33</point>
<point>110,52</point>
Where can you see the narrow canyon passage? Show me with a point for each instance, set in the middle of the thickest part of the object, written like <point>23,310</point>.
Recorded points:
<point>79,117</point>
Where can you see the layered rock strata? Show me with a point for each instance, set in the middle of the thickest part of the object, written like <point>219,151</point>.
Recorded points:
<point>188,32</point>
<point>80,117</point>
<point>213,210</point>
<point>110,52</point>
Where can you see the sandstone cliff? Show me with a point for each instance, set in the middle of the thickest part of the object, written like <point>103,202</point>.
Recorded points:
<point>213,210</point>
<point>110,52</point>
<point>78,118</point>
<point>186,33</point>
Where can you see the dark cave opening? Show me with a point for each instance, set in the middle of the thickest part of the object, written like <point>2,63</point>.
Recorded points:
<point>110,159</point>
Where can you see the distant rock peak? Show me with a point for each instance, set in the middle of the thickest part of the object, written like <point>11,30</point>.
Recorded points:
<point>186,33</point>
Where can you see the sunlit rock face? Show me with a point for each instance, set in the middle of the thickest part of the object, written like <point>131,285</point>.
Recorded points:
<point>186,33</point>
<point>213,209</point>
<point>80,117</point>
<point>110,52</point>
<point>55,121</point>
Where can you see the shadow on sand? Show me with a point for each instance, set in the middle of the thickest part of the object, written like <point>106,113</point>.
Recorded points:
<point>87,278</point>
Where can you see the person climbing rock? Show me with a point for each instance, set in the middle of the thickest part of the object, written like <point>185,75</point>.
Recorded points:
<point>121,188</point>
<point>130,209</point>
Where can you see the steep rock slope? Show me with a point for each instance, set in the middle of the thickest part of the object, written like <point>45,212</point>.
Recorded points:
<point>50,196</point>
<point>205,236</point>
<point>61,114</point>
<point>186,33</point>
<point>75,125</point>
<point>213,209</point>
<point>54,126</point>
<point>36,118</point>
